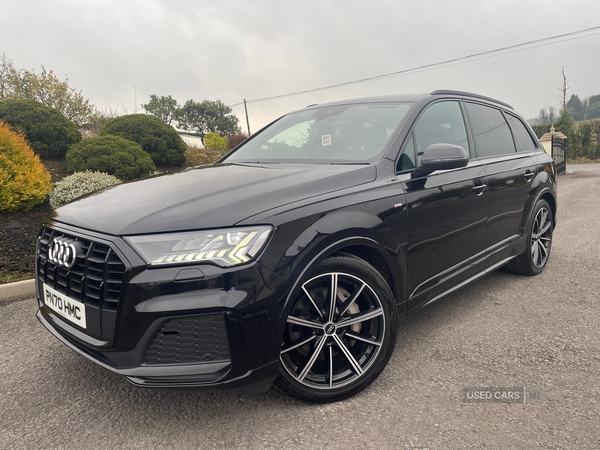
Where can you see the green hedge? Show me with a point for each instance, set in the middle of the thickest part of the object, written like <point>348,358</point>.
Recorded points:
<point>158,139</point>
<point>583,138</point>
<point>540,130</point>
<point>113,155</point>
<point>47,130</point>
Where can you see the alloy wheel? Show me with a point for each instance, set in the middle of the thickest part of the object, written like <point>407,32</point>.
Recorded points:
<point>334,331</point>
<point>541,237</point>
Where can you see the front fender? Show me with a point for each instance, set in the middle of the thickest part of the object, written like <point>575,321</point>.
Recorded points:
<point>371,219</point>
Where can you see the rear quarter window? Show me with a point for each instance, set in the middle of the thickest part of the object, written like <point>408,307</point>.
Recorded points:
<point>523,139</point>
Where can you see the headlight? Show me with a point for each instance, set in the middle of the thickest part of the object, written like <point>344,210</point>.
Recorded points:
<point>226,248</point>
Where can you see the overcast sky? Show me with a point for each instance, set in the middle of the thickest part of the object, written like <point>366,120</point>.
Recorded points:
<point>231,49</point>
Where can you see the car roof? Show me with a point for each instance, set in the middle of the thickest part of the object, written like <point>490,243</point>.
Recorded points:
<point>374,99</point>
<point>411,98</point>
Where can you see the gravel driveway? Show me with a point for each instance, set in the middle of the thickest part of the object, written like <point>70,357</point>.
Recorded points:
<point>504,330</point>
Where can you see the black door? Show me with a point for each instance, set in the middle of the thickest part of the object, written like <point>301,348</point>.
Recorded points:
<point>447,210</point>
<point>509,175</point>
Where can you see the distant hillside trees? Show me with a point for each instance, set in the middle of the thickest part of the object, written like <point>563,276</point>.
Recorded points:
<point>588,108</point>
<point>547,115</point>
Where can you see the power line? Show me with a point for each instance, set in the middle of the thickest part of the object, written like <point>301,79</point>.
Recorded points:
<point>450,62</point>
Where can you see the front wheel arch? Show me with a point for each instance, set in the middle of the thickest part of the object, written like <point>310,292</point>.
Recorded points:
<point>353,242</point>
<point>373,302</point>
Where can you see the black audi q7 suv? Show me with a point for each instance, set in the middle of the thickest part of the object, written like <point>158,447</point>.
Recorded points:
<point>293,258</point>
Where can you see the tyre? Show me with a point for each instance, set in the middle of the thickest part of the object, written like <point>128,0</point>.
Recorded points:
<point>539,243</point>
<point>340,332</point>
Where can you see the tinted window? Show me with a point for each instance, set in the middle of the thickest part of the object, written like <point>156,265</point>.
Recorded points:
<point>329,134</point>
<point>441,123</point>
<point>490,130</point>
<point>524,141</point>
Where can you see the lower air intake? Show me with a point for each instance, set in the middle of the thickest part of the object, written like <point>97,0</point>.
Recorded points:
<point>198,339</point>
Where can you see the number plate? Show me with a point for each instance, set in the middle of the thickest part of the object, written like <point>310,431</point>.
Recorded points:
<point>70,309</point>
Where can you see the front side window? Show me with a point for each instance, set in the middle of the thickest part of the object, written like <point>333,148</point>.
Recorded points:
<point>441,123</point>
<point>525,142</point>
<point>335,134</point>
<point>490,131</point>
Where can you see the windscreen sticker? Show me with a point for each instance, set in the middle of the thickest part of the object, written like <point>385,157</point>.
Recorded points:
<point>326,139</point>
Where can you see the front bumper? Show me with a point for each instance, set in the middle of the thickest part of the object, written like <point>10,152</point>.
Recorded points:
<point>244,303</point>
<point>208,376</point>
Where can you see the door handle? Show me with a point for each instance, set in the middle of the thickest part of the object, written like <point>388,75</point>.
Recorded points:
<point>528,175</point>
<point>479,189</point>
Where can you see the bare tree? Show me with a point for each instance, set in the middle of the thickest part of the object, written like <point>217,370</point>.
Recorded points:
<point>552,114</point>
<point>563,89</point>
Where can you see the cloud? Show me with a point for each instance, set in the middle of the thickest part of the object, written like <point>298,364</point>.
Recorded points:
<point>229,49</point>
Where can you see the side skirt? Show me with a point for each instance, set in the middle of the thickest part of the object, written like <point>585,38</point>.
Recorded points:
<point>469,280</point>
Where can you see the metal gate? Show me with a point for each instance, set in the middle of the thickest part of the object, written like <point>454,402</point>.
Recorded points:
<point>559,154</point>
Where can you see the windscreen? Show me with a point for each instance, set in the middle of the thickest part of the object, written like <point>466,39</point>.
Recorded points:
<point>335,134</point>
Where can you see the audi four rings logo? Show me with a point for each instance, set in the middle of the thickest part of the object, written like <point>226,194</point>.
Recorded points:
<point>62,253</point>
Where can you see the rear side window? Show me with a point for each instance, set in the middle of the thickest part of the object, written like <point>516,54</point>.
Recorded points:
<point>525,142</point>
<point>490,130</point>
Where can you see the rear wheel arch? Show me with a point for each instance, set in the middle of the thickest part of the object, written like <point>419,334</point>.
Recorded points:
<point>552,202</point>
<point>538,244</point>
<point>542,193</point>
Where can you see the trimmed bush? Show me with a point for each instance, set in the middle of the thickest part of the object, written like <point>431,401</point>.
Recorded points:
<point>195,156</point>
<point>160,140</point>
<point>215,143</point>
<point>541,129</point>
<point>78,185</point>
<point>113,155</point>
<point>48,131</point>
<point>235,139</point>
<point>24,181</point>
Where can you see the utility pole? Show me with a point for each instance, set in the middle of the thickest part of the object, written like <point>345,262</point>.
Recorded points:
<point>247,120</point>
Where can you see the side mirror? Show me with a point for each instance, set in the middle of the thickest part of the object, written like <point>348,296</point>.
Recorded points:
<point>441,157</point>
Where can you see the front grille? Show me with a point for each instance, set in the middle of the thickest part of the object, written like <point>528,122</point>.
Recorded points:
<point>190,340</point>
<point>95,279</point>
